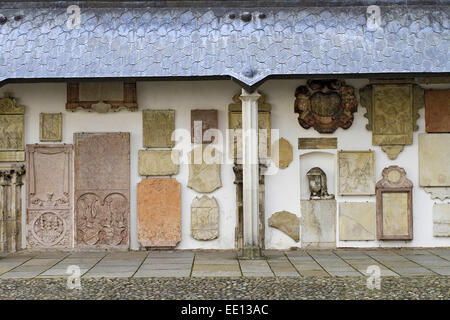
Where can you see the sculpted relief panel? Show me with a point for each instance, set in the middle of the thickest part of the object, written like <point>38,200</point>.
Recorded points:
<point>102,189</point>
<point>50,127</point>
<point>392,111</point>
<point>204,218</point>
<point>12,126</point>
<point>49,196</point>
<point>356,172</point>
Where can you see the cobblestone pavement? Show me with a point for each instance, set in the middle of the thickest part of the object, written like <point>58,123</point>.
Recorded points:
<point>301,274</point>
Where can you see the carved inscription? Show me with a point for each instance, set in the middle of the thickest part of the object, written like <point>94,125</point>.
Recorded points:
<point>12,121</point>
<point>49,196</point>
<point>204,218</point>
<point>102,189</point>
<point>158,126</point>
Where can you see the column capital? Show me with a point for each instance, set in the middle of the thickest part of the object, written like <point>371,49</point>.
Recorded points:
<point>245,96</point>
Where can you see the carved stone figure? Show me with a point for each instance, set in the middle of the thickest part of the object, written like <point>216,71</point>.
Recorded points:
<point>325,105</point>
<point>204,218</point>
<point>235,128</point>
<point>392,111</point>
<point>318,184</point>
<point>49,196</point>
<point>201,121</point>
<point>394,205</point>
<point>102,189</point>
<point>11,207</point>
<point>158,126</point>
<point>12,126</point>
<point>50,127</point>
<point>159,212</point>
<point>356,172</point>
<point>101,96</point>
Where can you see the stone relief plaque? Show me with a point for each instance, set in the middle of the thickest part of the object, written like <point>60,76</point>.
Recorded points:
<point>235,128</point>
<point>356,221</point>
<point>12,128</point>
<point>356,173</point>
<point>318,223</point>
<point>49,196</point>
<point>158,162</point>
<point>50,127</point>
<point>282,153</point>
<point>11,207</point>
<point>441,220</point>
<point>101,96</point>
<point>286,222</point>
<point>434,167</point>
<point>317,143</point>
<point>394,205</point>
<point>325,105</point>
<point>204,169</point>
<point>392,111</point>
<point>203,120</point>
<point>102,189</point>
<point>158,126</point>
<point>159,212</point>
<point>437,110</point>
<point>204,218</point>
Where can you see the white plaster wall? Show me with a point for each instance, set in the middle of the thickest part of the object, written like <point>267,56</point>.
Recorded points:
<point>282,189</point>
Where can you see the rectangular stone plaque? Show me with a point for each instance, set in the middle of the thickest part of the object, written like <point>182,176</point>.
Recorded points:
<point>50,127</point>
<point>395,214</point>
<point>49,196</point>
<point>159,212</point>
<point>158,162</point>
<point>201,121</point>
<point>356,174</point>
<point>434,164</point>
<point>12,137</point>
<point>356,221</point>
<point>95,91</point>
<point>441,220</point>
<point>318,228</point>
<point>102,189</point>
<point>158,126</point>
<point>437,110</point>
<point>317,143</point>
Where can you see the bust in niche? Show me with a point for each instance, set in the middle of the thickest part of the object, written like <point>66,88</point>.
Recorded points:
<point>318,184</point>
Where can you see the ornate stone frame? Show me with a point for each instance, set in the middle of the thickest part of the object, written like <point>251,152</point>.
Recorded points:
<point>388,185</point>
<point>322,92</point>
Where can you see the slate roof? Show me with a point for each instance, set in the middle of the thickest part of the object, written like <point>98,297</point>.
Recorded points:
<point>139,41</point>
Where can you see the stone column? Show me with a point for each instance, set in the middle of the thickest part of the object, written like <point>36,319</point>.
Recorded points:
<point>11,207</point>
<point>250,179</point>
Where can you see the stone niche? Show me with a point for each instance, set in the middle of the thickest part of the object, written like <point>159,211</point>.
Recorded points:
<point>102,189</point>
<point>158,126</point>
<point>286,222</point>
<point>159,212</point>
<point>204,218</point>
<point>392,110</point>
<point>49,196</point>
<point>158,162</point>
<point>324,160</point>
<point>12,130</point>
<point>356,173</point>
<point>50,127</point>
<point>282,153</point>
<point>235,128</point>
<point>318,223</point>
<point>441,220</point>
<point>437,110</point>
<point>101,96</point>
<point>356,221</point>
<point>203,120</point>
<point>11,207</point>
<point>434,164</point>
<point>394,205</point>
<point>204,169</point>
<point>325,105</point>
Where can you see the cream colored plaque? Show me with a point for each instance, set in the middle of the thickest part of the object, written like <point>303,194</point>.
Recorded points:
<point>50,127</point>
<point>395,213</point>
<point>356,172</point>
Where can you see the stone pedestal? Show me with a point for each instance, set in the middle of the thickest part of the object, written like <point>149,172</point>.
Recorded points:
<point>11,207</point>
<point>318,223</point>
